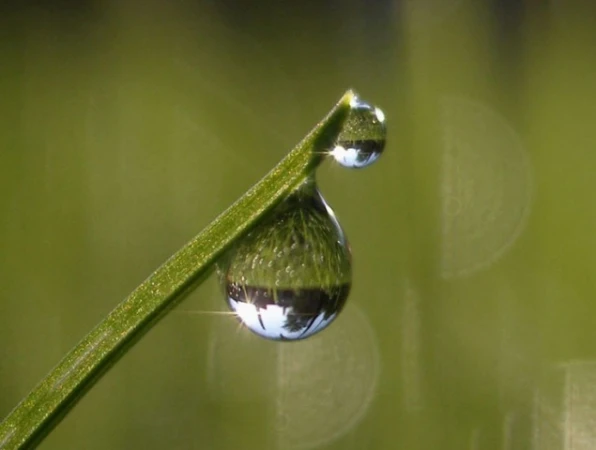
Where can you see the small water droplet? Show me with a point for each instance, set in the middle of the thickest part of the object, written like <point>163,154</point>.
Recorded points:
<point>362,138</point>
<point>294,295</point>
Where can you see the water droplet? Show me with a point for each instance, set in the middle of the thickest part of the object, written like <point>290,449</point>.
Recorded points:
<point>362,138</point>
<point>305,294</point>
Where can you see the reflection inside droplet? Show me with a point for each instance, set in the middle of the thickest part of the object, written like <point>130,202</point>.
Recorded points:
<point>291,276</point>
<point>362,138</point>
<point>286,314</point>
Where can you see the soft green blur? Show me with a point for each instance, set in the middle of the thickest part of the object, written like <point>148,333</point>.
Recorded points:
<point>471,320</point>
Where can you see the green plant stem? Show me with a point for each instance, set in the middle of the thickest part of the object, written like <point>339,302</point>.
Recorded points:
<point>59,391</point>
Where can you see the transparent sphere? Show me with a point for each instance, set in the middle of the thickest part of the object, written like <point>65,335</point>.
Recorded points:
<point>362,138</point>
<point>291,276</point>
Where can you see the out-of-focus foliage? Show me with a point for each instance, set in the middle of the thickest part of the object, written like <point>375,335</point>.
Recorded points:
<point>470,320</point>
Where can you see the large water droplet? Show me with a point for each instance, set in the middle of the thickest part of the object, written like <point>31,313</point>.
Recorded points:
<point>302,276</point>
<point>362,138</point>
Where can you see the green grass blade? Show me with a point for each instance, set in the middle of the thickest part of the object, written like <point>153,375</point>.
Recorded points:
<point>58,392</point>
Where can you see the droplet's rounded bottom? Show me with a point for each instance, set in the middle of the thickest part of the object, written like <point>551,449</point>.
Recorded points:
<point>286,314</point>
<point>357,154</point>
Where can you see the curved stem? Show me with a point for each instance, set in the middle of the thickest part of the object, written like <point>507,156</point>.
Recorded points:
<point>59,391</point>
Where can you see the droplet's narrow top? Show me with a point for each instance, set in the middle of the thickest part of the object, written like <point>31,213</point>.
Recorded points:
<point>363,136</point>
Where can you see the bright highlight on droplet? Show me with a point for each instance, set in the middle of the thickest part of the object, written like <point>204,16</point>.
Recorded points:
<point>290,277</point>
<point>355,157</point>
<point>280,322</point>
<point>380,115</point>
<point>362,139</point>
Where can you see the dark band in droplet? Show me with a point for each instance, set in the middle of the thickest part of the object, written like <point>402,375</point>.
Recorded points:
<point>299,308</point>
<point>303,301</point>
<point>365,146</point>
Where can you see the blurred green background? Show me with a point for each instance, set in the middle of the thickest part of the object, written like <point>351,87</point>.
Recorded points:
<point>127,126</point>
